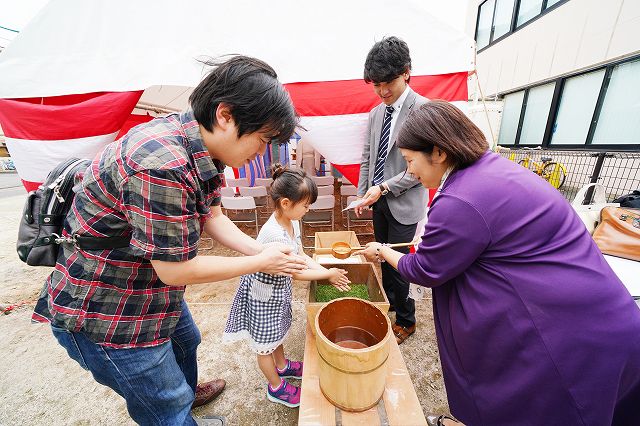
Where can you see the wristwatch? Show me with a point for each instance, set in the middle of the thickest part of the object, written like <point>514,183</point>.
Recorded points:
<point>383,190</point>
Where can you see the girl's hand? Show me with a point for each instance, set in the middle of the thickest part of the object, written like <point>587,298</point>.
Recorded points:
<point>338,278</point>
<point>371,252</point>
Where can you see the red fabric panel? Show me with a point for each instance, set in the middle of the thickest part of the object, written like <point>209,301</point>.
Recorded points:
<point>355,96</point>
<point>30,186</point>
<point>351,172</point>
<point>66,117</point>
<point>132,121</point>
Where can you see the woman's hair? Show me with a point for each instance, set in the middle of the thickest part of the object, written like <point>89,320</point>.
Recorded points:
<point>439,123</point>
<point>257,100</point>
<point>293,184</point>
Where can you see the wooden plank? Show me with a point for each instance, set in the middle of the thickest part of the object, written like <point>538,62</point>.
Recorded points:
<point>314,407</point>
<point>400,399</point>
<point>363,418</point>
<point>399,406</point>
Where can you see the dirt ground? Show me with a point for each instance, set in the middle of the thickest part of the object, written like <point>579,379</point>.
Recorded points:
<point>40,385</point>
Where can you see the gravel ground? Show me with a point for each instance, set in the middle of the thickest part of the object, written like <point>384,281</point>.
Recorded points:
<point>40,385</point>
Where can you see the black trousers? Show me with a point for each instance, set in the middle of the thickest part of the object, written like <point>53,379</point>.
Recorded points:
<point>388,230</point>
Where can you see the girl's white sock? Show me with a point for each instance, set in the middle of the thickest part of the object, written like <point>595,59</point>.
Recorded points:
<point>278,388</point>
<point>284,369</point>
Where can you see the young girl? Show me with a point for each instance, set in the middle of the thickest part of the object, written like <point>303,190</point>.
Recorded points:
<point>261,309</point>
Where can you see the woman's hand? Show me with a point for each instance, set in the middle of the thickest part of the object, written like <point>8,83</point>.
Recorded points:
<point>372,252</point>
<point>338,278</point>
<point>278,259</point>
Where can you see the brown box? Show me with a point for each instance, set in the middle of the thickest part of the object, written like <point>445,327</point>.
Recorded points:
<point>328,261</point>
<point>358,273</point>
<point>324,240</point>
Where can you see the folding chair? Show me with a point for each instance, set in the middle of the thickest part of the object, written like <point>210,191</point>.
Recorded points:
<point>323,180</point>
<point>241,210</point>
<point>320,213</point>
<point>325,190</point>
<point>261,198</point>
<point>266,182</point>
<point>346,191</point>
<point>227,191</point>
<point>231,182</point>
<point>259,194</point>
<point>354,221</point>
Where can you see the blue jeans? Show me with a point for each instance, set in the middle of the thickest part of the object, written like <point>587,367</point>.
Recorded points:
<point>158,382</point>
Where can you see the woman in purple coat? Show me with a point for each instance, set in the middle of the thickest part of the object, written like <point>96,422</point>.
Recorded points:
<point>533,326</point>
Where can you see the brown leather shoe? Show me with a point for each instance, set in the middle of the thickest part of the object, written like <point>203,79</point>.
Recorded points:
<point>402,333</point>
<point>208,391</point>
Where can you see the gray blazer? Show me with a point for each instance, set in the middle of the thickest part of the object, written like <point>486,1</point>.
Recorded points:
<point>407,198</point>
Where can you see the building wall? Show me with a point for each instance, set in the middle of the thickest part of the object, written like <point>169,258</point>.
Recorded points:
<point>576,35</point>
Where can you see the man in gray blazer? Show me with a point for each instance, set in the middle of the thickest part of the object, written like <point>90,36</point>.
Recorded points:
<point>398,200</point>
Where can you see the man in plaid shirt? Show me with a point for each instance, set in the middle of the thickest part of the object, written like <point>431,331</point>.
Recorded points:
<point>120,312</point>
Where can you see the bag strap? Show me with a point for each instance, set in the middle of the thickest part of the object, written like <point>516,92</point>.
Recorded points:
<point>629,211</point>
<point>85,242</point>
<point>598,196</point>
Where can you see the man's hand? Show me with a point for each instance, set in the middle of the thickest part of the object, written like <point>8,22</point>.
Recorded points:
<point>277,259</point>
<point>338,279</point>
<point>371,196</point>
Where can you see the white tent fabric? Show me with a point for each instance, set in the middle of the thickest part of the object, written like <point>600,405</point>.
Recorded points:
<point>75,46</point>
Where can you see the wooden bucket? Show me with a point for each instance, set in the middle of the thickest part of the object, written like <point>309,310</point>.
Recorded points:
<point>353,347</point>
<point>359,273</point>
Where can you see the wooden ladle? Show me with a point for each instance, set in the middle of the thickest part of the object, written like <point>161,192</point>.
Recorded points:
<point>342,250</point>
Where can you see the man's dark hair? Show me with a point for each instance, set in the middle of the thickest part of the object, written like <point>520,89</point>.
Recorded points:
<point>386,60</point>
<point>439,123</point>
<point>257,100</point>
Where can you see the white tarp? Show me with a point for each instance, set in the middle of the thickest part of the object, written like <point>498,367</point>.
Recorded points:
<point>75,46</point>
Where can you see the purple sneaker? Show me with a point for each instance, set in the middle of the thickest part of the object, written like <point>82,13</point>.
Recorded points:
<point>285,394</point>
<point>293,370</point>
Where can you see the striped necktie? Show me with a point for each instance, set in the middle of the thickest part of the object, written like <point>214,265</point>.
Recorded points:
<point>378,171</point>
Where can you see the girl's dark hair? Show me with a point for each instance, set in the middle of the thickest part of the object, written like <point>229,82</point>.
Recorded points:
<point>439,123</point>
<point>386,60</point>
<point>257,100</point>
<point>293,184</point>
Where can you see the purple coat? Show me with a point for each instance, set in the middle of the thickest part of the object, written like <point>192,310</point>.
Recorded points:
<point>533,325</point>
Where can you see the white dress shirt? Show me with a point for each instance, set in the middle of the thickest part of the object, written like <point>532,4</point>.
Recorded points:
<point>397,106</point>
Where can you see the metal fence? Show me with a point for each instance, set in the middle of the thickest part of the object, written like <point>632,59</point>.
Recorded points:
<point>618,172</point>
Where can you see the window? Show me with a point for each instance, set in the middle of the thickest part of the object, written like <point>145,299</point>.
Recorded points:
<point>536,114</point>
<point>528,10</point>
<point>618,121</point>
<point>502,18</point>
<point>579,97</point>
<point>510,118</point>
<point>495,17</point>
<point>598,108</point>
<point>485,18</point>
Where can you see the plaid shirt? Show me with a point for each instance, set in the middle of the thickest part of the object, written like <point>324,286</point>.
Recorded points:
<point>157,184</point>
